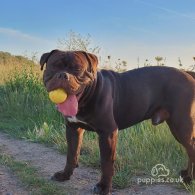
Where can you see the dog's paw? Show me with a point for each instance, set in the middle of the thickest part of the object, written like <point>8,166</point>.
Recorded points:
<point>186,178</point>
<point>60,176</point>
<point>184,173</point>
<point>99,189</point>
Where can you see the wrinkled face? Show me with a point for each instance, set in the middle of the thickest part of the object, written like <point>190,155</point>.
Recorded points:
<point>70,70</point>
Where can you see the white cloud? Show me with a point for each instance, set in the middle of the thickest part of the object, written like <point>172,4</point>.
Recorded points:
<point>18,42</point>
<point>21,35</point>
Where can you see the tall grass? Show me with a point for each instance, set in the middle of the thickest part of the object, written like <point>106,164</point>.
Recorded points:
<point>24,104</point>
<point>26,111</point>
<point>10,64</point>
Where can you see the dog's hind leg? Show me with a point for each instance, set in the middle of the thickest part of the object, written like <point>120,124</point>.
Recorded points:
<point>189,144</point>
<point>189,173</point>
<point>184,132</point>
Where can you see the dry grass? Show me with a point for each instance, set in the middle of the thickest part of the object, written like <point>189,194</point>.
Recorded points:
<point>9,65</point>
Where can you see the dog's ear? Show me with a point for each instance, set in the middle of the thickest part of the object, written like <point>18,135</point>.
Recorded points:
<point>93,62</point>
<point>44,58</point>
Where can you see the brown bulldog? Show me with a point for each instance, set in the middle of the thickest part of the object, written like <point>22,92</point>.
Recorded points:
<point>106,101</point>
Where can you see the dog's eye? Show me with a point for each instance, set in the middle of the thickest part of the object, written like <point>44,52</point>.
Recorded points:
<point>77,68</point>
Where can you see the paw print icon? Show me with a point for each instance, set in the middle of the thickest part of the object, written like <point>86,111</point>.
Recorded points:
<point>160,170</point>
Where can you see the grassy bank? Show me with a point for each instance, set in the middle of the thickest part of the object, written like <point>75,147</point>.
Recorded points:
<point>26,112</point>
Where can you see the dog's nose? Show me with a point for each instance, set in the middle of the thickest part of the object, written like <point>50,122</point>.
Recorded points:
<point>63,75</point>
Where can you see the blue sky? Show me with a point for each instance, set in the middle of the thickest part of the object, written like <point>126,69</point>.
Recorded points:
<point>125,29</point>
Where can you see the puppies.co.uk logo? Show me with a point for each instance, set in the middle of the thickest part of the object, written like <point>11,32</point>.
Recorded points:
<point>160,174</point>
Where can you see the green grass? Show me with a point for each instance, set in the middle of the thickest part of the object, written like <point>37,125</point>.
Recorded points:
<point>142,147</point>
<point>29,177</point>
<point>24,106</point>
<point>26,112</point>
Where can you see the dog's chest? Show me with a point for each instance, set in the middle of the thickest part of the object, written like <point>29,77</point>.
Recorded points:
<point>85,124</point>
<point>74,119</point>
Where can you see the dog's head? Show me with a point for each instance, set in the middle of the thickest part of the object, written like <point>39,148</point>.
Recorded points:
<point>70,70</point>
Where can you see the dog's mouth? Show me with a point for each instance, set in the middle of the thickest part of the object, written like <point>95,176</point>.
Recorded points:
<point>73,86</point>
<point>69,107</point>
<point>73,89</point>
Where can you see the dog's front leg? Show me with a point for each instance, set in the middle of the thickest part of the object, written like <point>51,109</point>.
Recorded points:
<point>74,138</point>
<point>107,143</point>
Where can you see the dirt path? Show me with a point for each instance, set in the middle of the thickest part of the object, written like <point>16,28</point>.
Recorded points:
<point>48,161</point>
<point>9,184</point>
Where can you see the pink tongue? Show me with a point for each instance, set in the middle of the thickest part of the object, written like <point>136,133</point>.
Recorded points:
<point>69,107</point>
